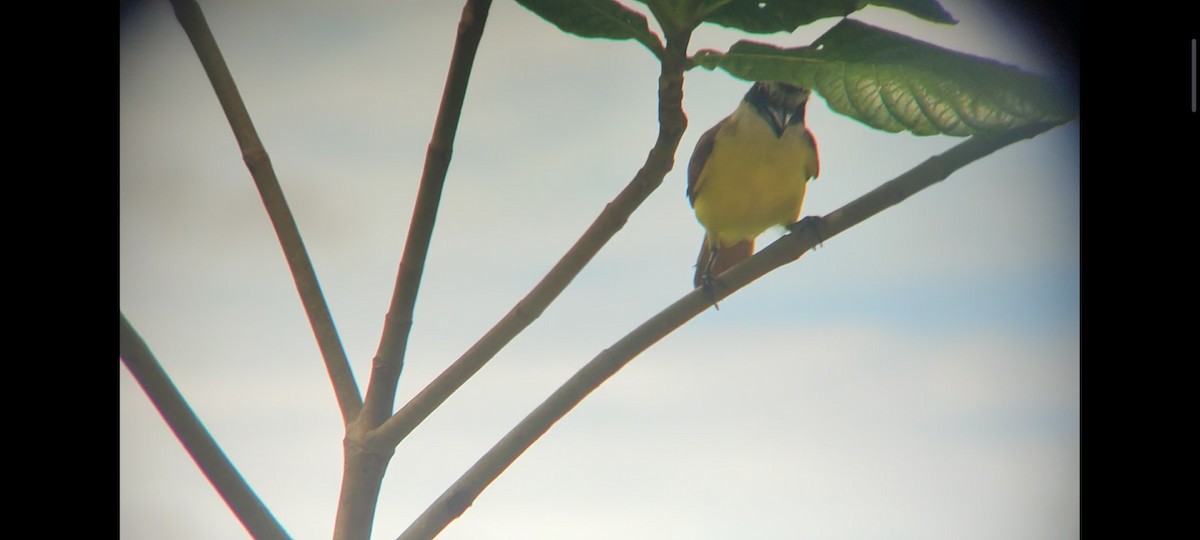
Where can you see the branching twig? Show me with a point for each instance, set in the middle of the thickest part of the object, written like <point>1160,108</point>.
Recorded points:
<point>659,162</point>
<point>389,359</point>
<point>196,440</point>
<point>255,156</point>
<point>459,496</point>
<point>365,461</point>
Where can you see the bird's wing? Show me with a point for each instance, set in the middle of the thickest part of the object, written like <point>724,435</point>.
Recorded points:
<point>699,157</point>
<point>813,168</point>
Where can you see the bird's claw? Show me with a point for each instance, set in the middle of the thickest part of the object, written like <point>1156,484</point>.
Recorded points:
<point>709,285</point>
<point>816,224</point>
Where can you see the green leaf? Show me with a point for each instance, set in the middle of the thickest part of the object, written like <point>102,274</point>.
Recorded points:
<point>596,19</point>
<point>929,10</point>
<point>895,83</point>
<point>672,14</point>
<point>769,16</point>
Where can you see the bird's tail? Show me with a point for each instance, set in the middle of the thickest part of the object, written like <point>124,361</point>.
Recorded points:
<point>726,258</point>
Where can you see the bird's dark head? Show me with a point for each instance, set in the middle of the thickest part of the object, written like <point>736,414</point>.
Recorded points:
<point>780,104</point>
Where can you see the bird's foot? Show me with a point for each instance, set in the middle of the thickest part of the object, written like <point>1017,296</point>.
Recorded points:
<point>709,284</point>
<point>816,224</point>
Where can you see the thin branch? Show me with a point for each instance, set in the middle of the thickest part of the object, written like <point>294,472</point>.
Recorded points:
<point>459,496</point>
<point>145,368</point>
<point>933,170</point>
<point>659,162</point>
<point>255,156</point>
<point>389,359</point>
<point>365,463</point>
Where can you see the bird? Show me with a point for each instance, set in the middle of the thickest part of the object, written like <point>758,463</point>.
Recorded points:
<point>748,174</point>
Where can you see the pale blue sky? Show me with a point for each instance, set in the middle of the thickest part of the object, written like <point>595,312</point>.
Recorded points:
<point>917,377</point>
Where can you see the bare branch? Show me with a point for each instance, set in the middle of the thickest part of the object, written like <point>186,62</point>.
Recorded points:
<point>389,359</point>
<point>255,156</point>
<point>459,496</point>
<point>195,439</point>
<point>931,171</point>
<point>365,462</point>
<point>659,162</point>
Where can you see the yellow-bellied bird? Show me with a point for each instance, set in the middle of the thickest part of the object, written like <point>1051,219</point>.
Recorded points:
<point>748,174</point>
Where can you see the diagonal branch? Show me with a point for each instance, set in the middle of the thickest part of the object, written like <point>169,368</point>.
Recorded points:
<point>459,496</point>
<point>255,156</point>
<point>196,440</point>
<point>365,463</point>
<point>931,171</point>
<point>659,162</point>
<point>389,359</point>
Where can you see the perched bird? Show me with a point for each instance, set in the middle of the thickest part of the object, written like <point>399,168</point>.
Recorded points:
<point>748,174</point>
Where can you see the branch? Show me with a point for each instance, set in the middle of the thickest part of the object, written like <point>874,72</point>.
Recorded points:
<point>254,516</point>
<point>659,162</point>
<point>933,170</point>
<point>365,463</point>
<point>255,156</point>
<point>459,496</point>
<point>389,359</point>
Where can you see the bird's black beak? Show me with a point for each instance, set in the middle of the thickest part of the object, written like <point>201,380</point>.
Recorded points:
<point>779,118</point>
<point>779,104</point>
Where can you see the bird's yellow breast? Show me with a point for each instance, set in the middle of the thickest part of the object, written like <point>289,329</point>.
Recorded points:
<point>753,180</point>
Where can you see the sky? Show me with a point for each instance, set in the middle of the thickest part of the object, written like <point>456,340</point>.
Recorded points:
<point>915,377</point>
